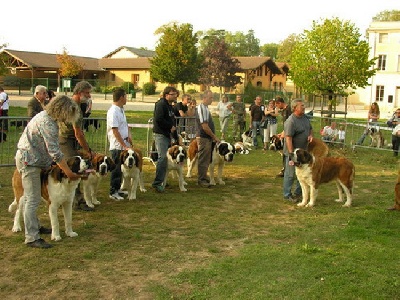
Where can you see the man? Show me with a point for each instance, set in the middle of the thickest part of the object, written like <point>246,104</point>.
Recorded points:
<point>239,118</point>
<point>120,139</point>
<point>285,111</point>
<point>205,138</point>
<point>183,109</point>
<point>163,128</point>
<point>4,105</point>
<point>37,103</point>
<point>298,133</point>
<point>329,133</point>
<point>72,137</point>
<point>256,115</point>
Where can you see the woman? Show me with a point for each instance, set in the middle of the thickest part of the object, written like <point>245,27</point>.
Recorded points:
<point>373,117</point>
<point>271,112</point>
<point>38,148</point>
<point>224,108</point>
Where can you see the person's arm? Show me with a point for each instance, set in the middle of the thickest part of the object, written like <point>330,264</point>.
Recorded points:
<point>80,137</point>
<point>64,167</point>
<point>209,132</point>
<point>119,138</point>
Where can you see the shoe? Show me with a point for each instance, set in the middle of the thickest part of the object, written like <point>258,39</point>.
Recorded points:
<point>40,243</point>
<point>116,197</point>
<point>84,207</point>
<point>159,188</point>
<point>280,174</point>
<point>44,230</point>
<point>123,193</point>
<point>204,184</point>
<point>291,198</point>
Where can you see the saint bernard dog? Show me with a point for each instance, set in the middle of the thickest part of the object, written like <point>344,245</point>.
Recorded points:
<point>311,171</point>
<point>57,190</point>
<point>101,166</point>
<point>241,148</point>
<point>318,148</point>
<point>276,143</point>
<point>377,139</point>
<point>132,176</point>
<point>176,156</point>
<point>222,152</point>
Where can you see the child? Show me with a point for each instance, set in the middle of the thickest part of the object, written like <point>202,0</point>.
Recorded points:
<point>341,134</point>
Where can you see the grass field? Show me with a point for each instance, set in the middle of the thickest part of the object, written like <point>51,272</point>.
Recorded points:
<point>238,241</point>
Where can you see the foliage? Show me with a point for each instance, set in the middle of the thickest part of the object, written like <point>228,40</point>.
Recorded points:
<point>69,67</point>
<point>330,58</point>
<point>270,50</point>
<point>219,67</point>
<point>191,91</point>
<point>387,15</point>
<point>176,60</point>
<point>240,44</point>
<point>149,88</point>
<point>285,49</point>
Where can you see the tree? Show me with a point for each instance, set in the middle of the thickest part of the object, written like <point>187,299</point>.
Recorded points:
<point>285,49</point>
<point>270,50</point>
<point>176,60</point>
<point>219,68</point>
<point>240,44</point>
<point>330,58</point>
<point>4,61</point>
<point>69,66</point>
<point>387,15</point>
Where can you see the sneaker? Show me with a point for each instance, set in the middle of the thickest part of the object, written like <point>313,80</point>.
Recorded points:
<point>40,243</point>
<point>116,197</point>
<point>123,193</point>
<point>159,188</point>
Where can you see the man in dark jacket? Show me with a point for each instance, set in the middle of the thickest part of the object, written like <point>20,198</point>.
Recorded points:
<point>163,127</point>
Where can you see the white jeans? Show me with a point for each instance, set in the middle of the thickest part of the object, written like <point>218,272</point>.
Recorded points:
<point>32,197</point>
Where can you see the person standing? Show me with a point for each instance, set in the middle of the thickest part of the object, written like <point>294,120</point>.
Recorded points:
<point>37,103</point>
<point>271,114</point>
<point>372,120</point>
<point>73,138</point>
<point>224,108</point>
<point>285,111</point>
<point>298,133</point>
<point>4,106</point>
<point>239,118</point>
<point>38,148</point>
<point>205,138</point>
<point>120,139</point>
<point>256,115</point>
<point>163,128</point>
<point>181,111</point>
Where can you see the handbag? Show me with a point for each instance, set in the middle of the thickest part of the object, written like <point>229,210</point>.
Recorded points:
<point>264,123</point>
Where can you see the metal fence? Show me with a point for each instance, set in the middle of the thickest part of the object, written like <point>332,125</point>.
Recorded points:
<point>11,129</point>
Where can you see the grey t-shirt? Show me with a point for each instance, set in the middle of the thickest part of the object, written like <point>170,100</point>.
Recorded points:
<point>299,128</point>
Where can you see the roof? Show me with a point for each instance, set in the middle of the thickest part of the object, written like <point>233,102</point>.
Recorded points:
<point>253,62</point>
<point>47,60</point>
<point>125,63</point>
<point>137,51</point>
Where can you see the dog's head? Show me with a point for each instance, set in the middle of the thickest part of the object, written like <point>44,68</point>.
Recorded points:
<point>226,150</point>
<point>177,153</point>
<point>76,163</point>
<point>103,164</point>
<point>372,131</point>
<point>276,143</point>
<point>301,157</point>
<point>129,158</point>
<point>241,148</point>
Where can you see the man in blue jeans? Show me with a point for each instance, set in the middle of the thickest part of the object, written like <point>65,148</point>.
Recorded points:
<point>298,133</point>
<point>163,128</point>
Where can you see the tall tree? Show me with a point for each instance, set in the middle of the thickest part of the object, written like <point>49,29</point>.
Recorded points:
<point>285,49</point>
<point>330,58</point>
<point>240,44</point>
<point>69,66</point>
<point>219,68</point>
<point>387,15</point>
<point>270,50</point>
<point>4,61</point>
<point>176,60</point>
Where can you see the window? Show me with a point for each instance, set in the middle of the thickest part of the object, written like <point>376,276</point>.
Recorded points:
<point>382,62</point>
<point>112,77</point>
<point>380,89</point>
<point>383,38</point>
<point>135,78</point>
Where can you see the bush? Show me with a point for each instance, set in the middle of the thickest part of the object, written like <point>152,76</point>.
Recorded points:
<point>149,88</point>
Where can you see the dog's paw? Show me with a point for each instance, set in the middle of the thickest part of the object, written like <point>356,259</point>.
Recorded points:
<point>301,204</point>
<point>212,182</point>
<point>310,204</point>
<point>346,205</point>
<point>90,204</point>
<point>96,202</point>
<point>183,190</point>
<point>221,182</point>
<point>132,198</point>
<point>71,234</point>
<point>143,190</point>
<point>184,183</point>
<point>56,238</point>
<point>16,229</point>
<point>338,200</point>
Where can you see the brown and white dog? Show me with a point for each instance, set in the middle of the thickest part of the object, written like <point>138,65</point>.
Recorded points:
<point>101,165</point>
<point>57,190</point>
<point>377,139</point>
<point>176,156</point>
<point>131,167</point>
<point>318,148</point>
<point>312,171</point>
<point>222,152</point>
<point>276,143</point>
<point>241,148</point>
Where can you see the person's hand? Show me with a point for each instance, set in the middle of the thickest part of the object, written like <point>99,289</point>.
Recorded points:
<point>74,176</point>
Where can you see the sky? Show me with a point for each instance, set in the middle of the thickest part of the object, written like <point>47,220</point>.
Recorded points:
<point>94,29</point>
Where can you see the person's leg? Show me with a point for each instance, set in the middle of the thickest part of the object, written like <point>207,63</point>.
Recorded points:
<point>254,132</point>
<point>288,179</point>
<point>204,154</point>
<point>234,129</point>
<point>116,174</point>
<point>162,144</point>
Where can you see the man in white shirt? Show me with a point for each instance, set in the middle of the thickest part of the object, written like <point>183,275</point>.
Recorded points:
<point>120,139</point>
<point>4,105</point>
